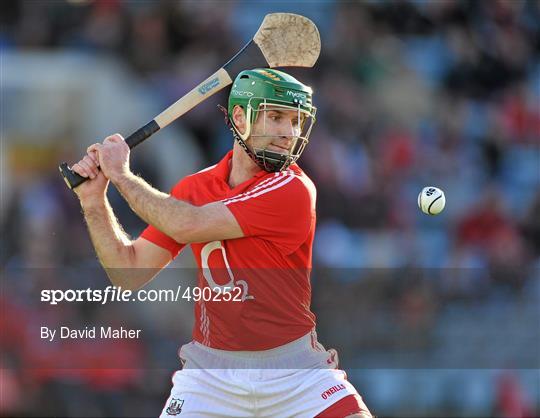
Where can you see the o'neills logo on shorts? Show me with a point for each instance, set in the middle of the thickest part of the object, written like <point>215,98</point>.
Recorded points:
<point>327,393</point>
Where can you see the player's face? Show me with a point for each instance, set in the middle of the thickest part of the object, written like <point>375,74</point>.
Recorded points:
<point>276,129</point>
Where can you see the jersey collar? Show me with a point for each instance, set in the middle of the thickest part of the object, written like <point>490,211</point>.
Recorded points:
<point>222,171</point>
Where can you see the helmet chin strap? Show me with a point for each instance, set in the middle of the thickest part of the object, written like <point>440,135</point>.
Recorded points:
<point>267,160</point>
<point>273,161</point>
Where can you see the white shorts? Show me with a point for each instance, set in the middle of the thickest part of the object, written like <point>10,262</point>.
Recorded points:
<point>299,379</point>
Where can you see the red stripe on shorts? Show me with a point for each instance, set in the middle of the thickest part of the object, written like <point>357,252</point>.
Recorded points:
<point>351,404</point>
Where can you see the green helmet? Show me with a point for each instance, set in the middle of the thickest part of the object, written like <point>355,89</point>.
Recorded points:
<point>267,89</point>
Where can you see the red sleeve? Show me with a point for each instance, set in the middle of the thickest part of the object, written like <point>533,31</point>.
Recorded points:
<point>157,237</point>
<point>281,212</point>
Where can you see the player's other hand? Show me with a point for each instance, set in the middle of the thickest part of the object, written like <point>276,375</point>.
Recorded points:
<point>96,186</point>
<point>113,156</point>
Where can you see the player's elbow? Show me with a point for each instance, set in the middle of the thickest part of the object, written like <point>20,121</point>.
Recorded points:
<point>125,269</point>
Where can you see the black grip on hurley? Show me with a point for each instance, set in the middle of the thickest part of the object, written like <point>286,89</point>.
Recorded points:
<point>73,180</point>
<point>141,134</point>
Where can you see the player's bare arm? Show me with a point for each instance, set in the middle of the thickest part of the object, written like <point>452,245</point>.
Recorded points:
<point>182,221</point>
<point>129,264</point>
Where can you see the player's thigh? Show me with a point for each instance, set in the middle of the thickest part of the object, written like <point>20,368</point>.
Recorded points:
<point>207,393</point>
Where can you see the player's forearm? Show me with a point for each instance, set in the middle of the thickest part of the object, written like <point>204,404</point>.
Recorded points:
<point>171,216</point>
<point>113,247</point>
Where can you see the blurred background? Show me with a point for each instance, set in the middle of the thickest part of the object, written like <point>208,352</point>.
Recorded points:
<point>432,316</point>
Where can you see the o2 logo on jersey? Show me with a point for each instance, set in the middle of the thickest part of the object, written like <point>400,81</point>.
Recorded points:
<point>207,273</point>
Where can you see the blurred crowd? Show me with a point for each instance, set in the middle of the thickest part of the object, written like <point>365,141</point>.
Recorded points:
<point>409,94</point>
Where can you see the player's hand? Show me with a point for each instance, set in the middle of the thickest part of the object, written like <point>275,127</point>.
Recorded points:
<point>113,155</point>
<point>96,186</point>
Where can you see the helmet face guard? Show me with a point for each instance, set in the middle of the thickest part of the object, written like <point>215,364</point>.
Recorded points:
<point>271,160</point>
<point>261,91</point>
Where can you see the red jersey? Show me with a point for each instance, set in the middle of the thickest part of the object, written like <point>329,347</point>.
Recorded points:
<point>268,268</point>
